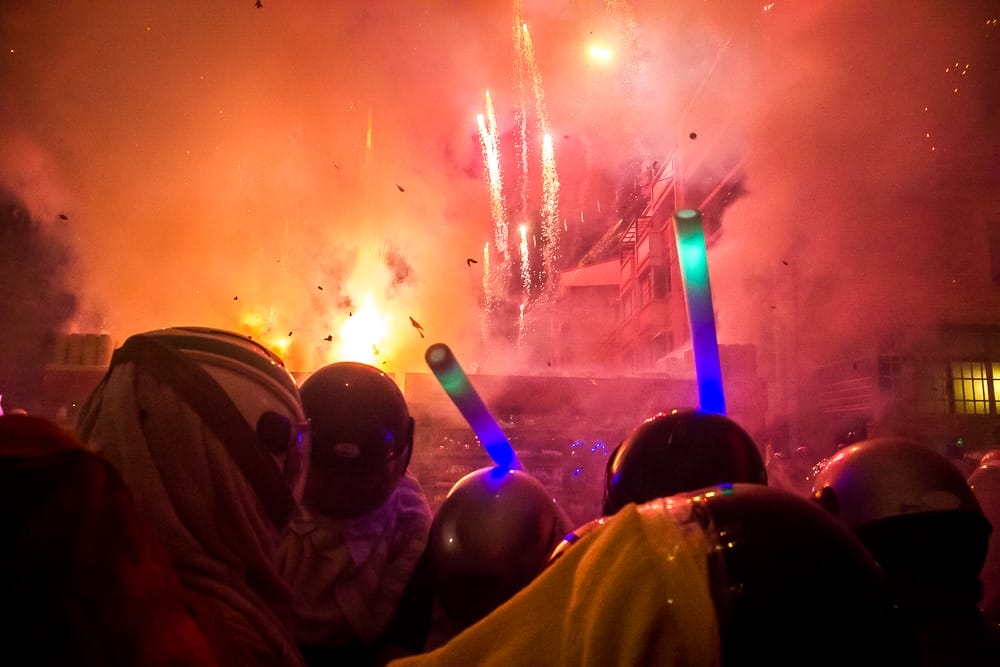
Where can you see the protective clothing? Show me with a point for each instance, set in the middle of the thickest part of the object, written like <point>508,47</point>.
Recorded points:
<point>206,428</point>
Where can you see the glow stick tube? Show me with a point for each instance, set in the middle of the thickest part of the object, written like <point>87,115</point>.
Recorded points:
<point>456,384</point>
<point>693,259</point>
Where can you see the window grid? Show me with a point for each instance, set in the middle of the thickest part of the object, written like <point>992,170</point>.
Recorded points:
<point>971,384</point>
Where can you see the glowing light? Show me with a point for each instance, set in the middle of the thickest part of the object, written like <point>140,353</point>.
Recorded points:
<point>261,329</point>
<point>362,334</point>
<point>490,141</point>
<point>693,260</point>
<point>600,53</point>
<point>455,383</point>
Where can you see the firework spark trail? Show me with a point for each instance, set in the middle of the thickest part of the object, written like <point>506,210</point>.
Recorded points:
<point>525,261</point>
<point>550,210</point>
<point>487,291</point>
<point>487,274</point>
<point>550,179</point>
<point>491,152</point>
<point>520,325</point>
<point>522,96</point>
<point>527,56</point>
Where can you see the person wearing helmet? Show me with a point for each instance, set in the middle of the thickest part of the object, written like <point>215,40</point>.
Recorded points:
<point>985,484</point>
<point>737,574</point>
<point>84,579</point>
<point>206,427</point>
<point>676,451</point>
<point>915,512</point>
<point>491,536</point>
<point>353,555</point>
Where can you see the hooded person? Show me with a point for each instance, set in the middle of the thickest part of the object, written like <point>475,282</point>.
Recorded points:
<point>206,428</point>
<point>353,555</point>
<point>84,580</point>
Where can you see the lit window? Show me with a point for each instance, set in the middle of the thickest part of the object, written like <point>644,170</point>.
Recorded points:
<point>973,387</point>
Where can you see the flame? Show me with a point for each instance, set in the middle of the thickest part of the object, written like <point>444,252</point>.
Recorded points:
<point>363,334</point>
<point>260,328</point>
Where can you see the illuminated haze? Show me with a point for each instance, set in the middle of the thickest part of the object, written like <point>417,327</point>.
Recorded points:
<point>217,164</point>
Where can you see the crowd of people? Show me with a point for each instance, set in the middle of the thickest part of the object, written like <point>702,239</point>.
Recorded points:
<point>207,509</point>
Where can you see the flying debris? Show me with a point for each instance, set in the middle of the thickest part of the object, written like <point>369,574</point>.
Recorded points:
<point>693,135</point>
<point>63,216</point>
<point>319,287</point>
<point>417,326</point>
<point>785,262</point>
<point>235,298</point>
<point>258,4</point>
<point>400,187</point>
<point>329,337</point>
<point>470,262</point>
<point>289,333</point>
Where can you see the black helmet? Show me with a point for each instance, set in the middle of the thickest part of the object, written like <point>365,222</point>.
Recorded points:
<point>677,451</point>
<point>790,584</point>
<point>362,435</point>
<point>914,510</point>
<point>491,535</point>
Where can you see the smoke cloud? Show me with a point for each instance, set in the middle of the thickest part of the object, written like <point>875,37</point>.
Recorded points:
<point>266,169</point>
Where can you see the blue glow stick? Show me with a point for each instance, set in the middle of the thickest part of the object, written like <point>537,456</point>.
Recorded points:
<point>693,259</point>
<point>456,384</point>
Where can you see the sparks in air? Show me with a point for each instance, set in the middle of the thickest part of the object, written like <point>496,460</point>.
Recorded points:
<point>525,260</point>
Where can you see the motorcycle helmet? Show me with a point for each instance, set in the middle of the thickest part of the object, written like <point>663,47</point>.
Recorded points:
<point>491,536</point>
<point>992,456</point>
<point>362,435</point>
<point>677,451</point>
<point>916,513</point>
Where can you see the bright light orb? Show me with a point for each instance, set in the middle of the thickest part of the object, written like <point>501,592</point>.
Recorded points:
<point>600,53</point>
<point>362,334</point>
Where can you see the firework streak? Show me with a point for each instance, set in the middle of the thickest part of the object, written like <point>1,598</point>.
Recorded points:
<point>456,384</point>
